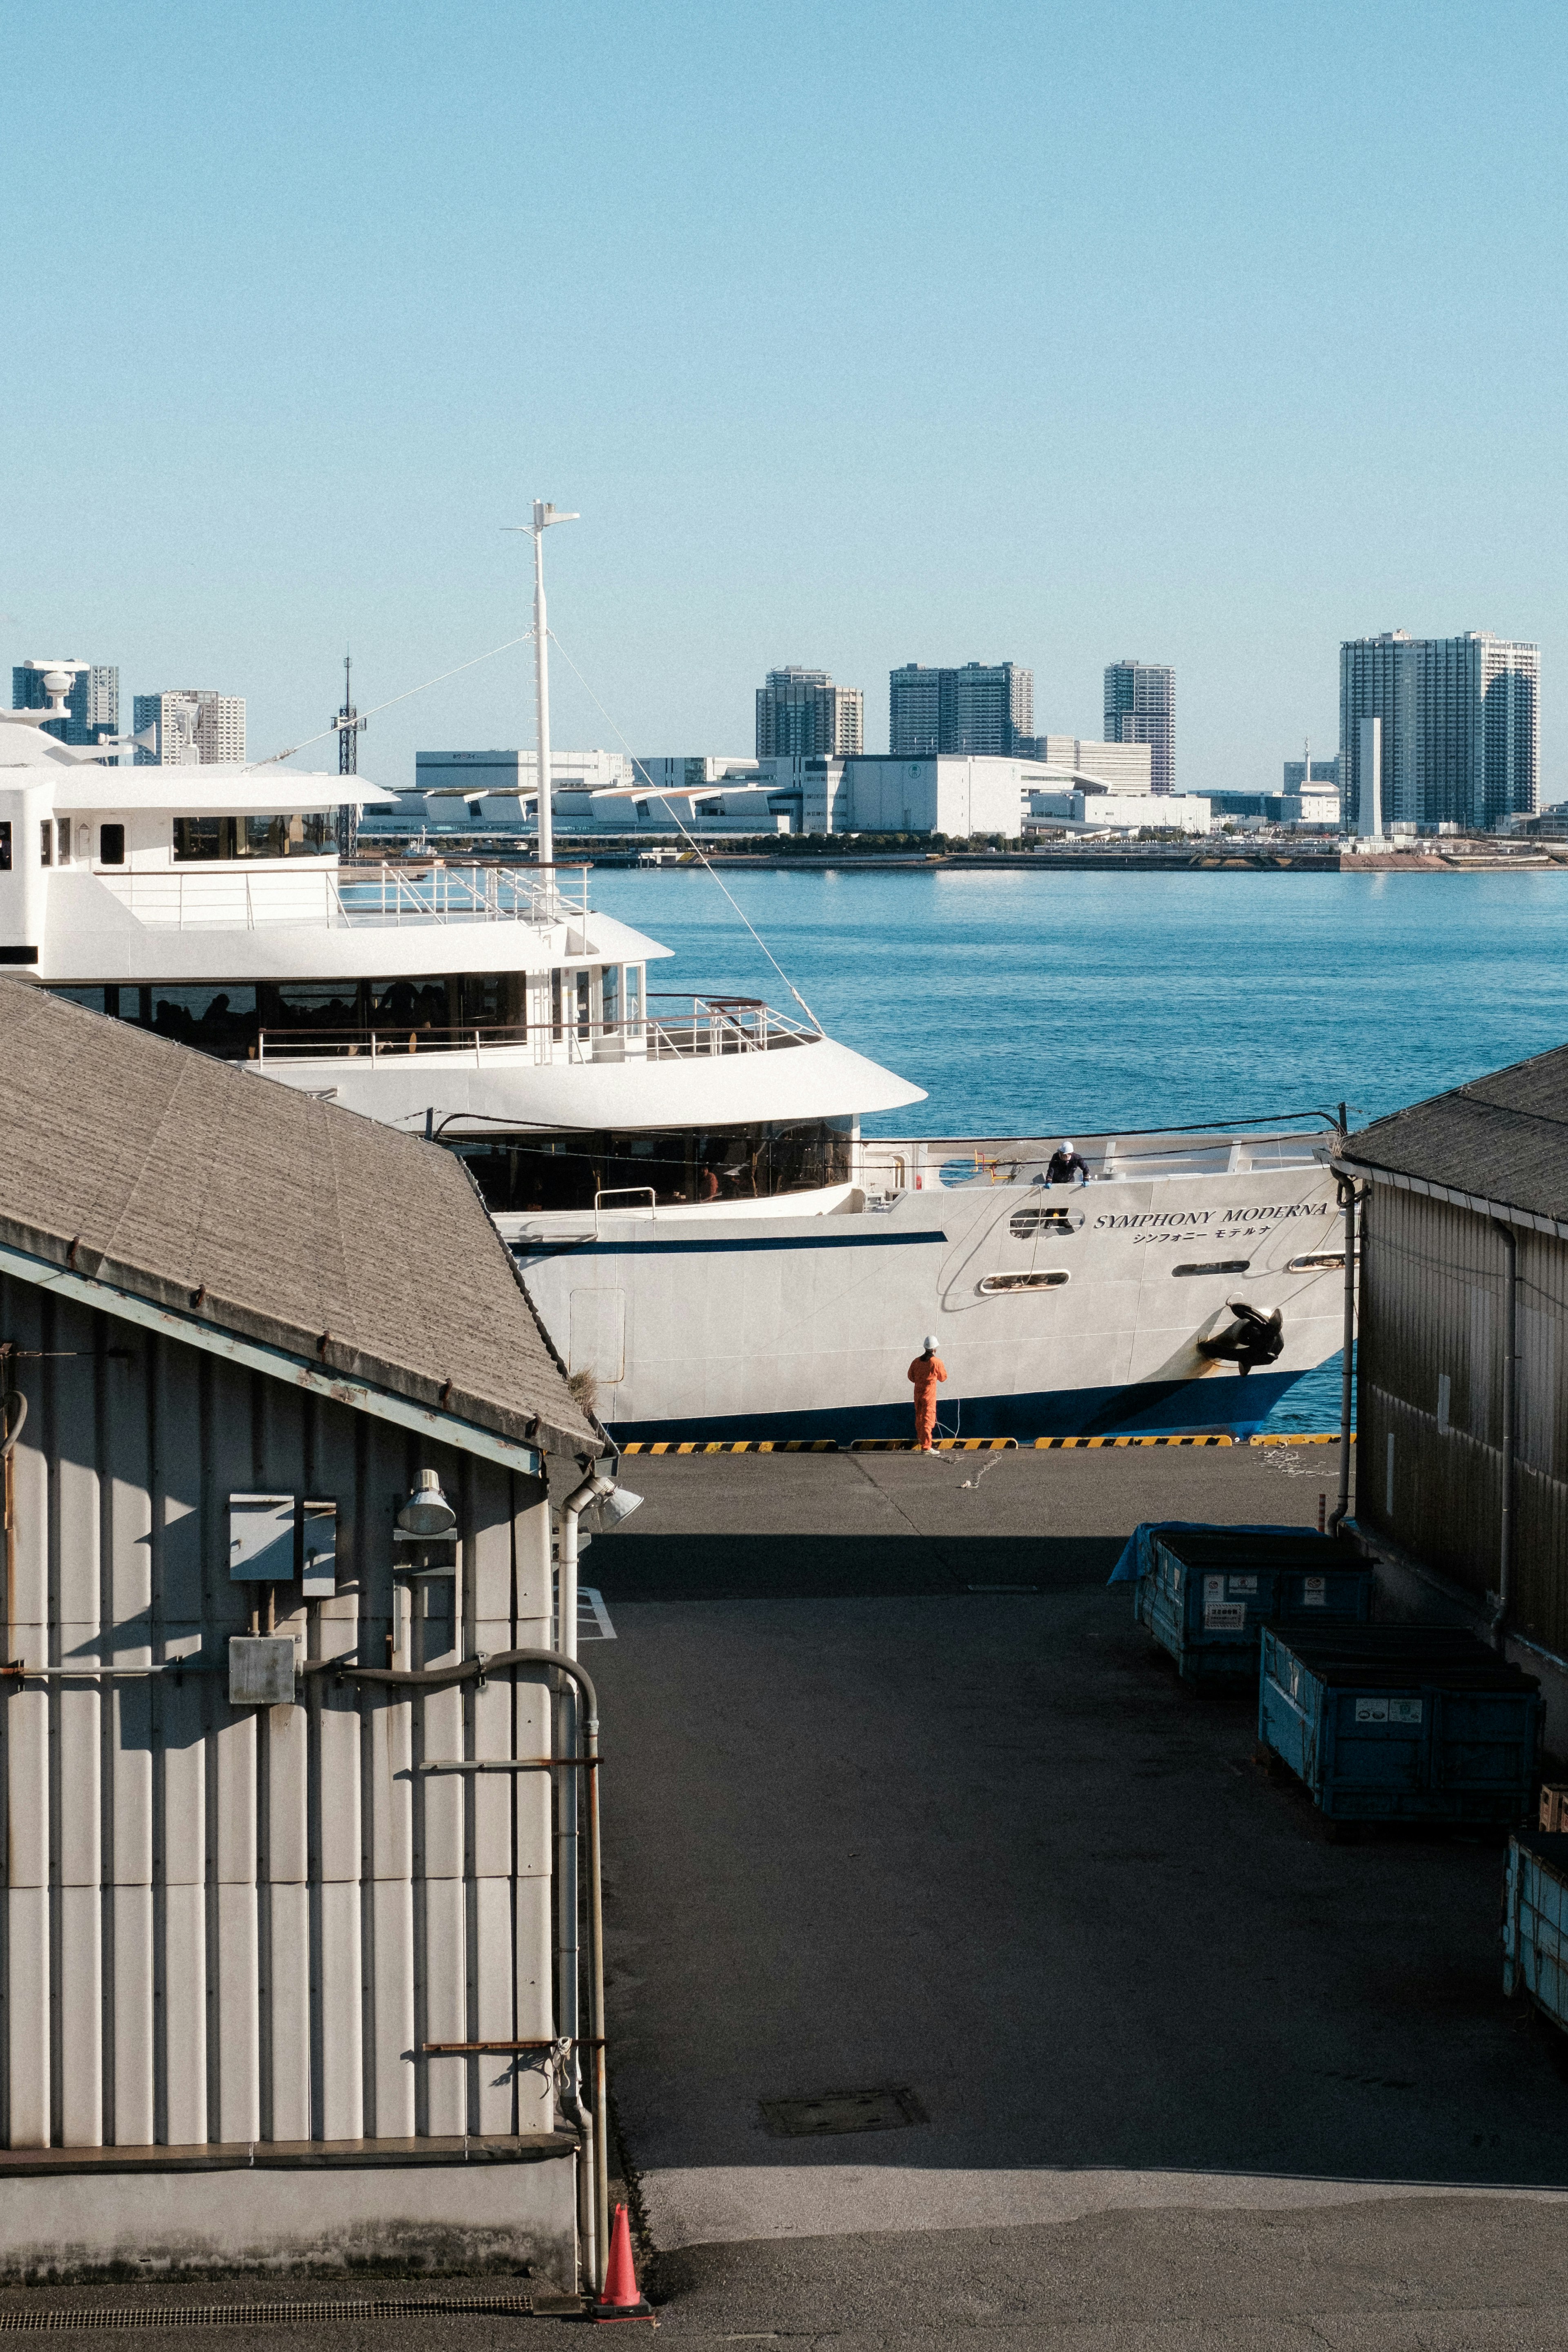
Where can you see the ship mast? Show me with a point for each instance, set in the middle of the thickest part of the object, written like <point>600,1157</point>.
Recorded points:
<point>544,514</point>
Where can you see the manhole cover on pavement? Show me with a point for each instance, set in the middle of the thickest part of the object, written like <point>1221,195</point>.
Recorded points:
<point>888,2109</point>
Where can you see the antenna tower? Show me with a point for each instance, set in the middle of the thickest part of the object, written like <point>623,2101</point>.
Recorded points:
<point>348,724</point>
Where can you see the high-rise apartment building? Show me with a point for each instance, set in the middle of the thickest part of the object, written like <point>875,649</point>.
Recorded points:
<point>92,706</point>
<point>1458,741</point>
<point>801,714</point>
<point>986,709</point>
<point>1141,707</point>
<point>1324,772</point>
<point>194,727</point>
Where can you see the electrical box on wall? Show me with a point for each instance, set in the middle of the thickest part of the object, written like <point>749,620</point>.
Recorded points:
<point>273,1539</point>
<point>261,1670</point>
<point>261,1538</point>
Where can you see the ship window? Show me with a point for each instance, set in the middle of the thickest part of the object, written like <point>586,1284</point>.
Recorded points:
<point>46,842</point>
<point>6,847</point>
<point>64,830</point>
<point>1052,1278</point>
<point>1215,1266</point>
<point>612,987</point>
<point>634,997</point>
<point>523,1171</point>
<point>111,845</point>
<point>198,840</point>
<point>214,1020</point>
<point>1035,1217</point>
<point>584,1004</point>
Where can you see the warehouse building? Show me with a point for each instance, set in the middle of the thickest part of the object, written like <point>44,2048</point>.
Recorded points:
<point>286,1976</point>
<point>1461,1433</point>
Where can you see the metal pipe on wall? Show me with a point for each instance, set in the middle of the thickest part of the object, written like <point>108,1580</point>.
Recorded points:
<point>592,1489</point>
<point>1503,1597</point>
<point>1347,1369</point>
<point>470,1669</point>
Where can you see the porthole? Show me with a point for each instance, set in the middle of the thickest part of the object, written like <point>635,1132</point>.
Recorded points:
<point>1215,1266</point>
<point>1035,1217</point>
<point>996,1285</point>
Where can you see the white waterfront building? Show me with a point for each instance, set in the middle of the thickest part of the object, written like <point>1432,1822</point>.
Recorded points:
<point>1120,767</point>
<point>492,793</point>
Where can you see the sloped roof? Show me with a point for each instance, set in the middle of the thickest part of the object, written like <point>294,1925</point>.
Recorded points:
<point>1502,1139</point>
<point>198,1186</point>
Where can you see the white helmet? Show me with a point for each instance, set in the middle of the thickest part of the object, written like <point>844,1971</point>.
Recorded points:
<point>929,1343</point>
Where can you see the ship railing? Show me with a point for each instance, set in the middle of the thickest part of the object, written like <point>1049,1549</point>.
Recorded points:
<point>229,896</point>
<point>393,1044</point>
<point>453,891</point>
<point>718,1024</point>
<point>943,1162</point>
<point>703,1027</point>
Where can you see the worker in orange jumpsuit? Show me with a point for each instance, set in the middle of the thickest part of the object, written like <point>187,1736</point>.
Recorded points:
<point>926,1371</point>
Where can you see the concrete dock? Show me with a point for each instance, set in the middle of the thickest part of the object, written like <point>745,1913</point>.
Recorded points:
<point>899,1800</point>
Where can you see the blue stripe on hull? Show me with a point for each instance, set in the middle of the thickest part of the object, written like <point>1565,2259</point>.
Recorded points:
<point>529,1253</point>
<point>1224,1401</point>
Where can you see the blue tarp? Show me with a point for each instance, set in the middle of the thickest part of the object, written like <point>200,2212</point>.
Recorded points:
<point>1139,1555</point>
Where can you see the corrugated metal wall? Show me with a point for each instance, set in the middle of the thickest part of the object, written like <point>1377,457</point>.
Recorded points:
<point>1429,1405</point>
<point>229,1924</point>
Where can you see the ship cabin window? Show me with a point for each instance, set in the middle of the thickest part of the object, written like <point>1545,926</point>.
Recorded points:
<point>6,847</point>
<point>111,845</point>
<point>63,835</point>
<point>517,1173</point>
<point>228,1017</point>
<point>200,840</point>
<point>46,842</point>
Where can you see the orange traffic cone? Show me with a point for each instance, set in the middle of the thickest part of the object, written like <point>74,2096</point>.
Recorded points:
<point>621,2298</point>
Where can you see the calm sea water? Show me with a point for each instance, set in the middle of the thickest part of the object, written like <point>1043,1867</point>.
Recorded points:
<point>1041,1004</point>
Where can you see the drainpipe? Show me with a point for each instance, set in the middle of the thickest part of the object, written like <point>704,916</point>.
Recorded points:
<point>1502,1598</point>
<point>11,1428</point>
<point>594,2223</point>
<point>1342,1509</point>
<point>596,2200</point>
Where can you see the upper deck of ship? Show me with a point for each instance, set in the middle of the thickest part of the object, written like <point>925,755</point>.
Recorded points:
<point>210,902</point>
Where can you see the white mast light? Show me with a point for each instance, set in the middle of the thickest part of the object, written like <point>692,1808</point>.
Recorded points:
<point>544,514</point>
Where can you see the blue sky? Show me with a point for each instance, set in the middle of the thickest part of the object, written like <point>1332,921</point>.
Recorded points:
<point>859,334</point>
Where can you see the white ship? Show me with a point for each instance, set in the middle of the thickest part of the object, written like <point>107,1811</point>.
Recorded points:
<point>682,1181</point>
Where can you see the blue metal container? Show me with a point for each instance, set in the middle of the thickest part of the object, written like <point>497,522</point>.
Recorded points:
<point>1402,1723</point>
<point>1209,1592</point>
<point>1535,1921</point>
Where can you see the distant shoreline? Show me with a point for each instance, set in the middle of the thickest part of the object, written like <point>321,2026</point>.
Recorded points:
<point>1210,858</point>
<point>1214,861</point>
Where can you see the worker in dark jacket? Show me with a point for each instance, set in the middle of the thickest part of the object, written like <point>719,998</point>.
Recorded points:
<point>1066,1165</point>
<point>925,1372</point>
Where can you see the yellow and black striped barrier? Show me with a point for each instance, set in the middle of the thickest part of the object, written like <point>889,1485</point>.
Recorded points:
<point>1046,1445</point>
<point>939,1444</point>
<point>966,1444</point>
<point>733,1445</point>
